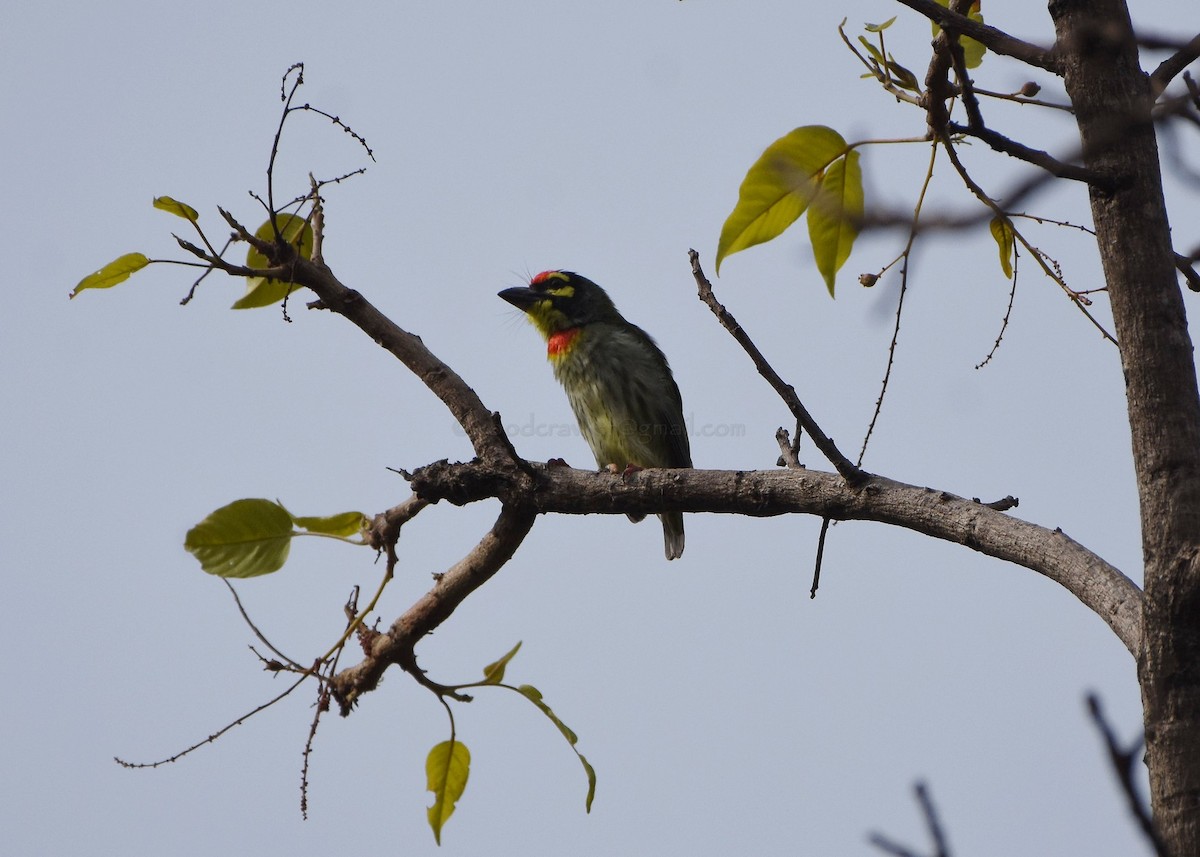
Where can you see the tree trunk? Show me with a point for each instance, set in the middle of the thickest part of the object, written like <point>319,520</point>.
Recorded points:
<point>1112,100</point>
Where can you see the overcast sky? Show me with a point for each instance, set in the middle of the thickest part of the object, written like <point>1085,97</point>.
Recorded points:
<point>724,711</point>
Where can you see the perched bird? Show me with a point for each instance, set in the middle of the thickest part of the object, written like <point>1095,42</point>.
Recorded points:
<point>618,381</point>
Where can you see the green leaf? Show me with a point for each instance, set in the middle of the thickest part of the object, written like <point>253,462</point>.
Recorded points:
<point>261,291</point>
<point>174,206</point>
<point>344,524</point>
<point>493,673</point>
<point>1002,231</point>
<point>535,696</point>
<point>244,539</point>
<point>834,217</point>
<point>778,187</point>
<point>904,78</point>
<point>875,53</point>
<point>446,770</point>
<point>879,28</point>
<point>116,271</point>
<point>973,51</point>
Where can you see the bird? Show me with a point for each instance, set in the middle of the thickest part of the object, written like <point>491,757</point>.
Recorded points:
<point>616,378</point>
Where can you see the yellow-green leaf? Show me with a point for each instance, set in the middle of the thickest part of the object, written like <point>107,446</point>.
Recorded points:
<point>174,206</point>
<point>835,215</point>
<point>778,187</point>
<point>446,770</point>
<point>904,78</point>
<point>116,271</point>
<point>243,539</point>
<point>875,53</point>
<point>535,696</point>
<point>344,524</point>
<point>973,51</point>
<point>493,673</point>
<point>260,291</point>
<point>1002,231</point>
<point>879,28</point>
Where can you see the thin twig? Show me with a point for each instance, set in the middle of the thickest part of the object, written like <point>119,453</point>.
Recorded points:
<point>1123,763</point>
<point>851,473</point>
<point>213,737</point>
<point>816,578</point>
<point>1012,293</point>
<point>932,823</point>
<point>241,609</point>
<point>983,197</point>
<point>905,255</point>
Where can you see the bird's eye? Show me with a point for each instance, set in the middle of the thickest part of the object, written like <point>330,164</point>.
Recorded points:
<point>547,280</point>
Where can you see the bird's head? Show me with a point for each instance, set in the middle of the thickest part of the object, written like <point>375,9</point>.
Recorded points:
<point>561,300</point>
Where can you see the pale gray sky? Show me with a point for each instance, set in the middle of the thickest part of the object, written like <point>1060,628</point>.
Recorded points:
<point>723,710</point>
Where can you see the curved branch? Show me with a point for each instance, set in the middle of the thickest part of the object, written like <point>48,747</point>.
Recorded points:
<point>1099,585</point>
<point>395,646</point>
<point>480,424</point>
<point>991,38</point>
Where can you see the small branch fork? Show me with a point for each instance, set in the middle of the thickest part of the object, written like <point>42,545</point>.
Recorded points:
<point>941,847</point>
<point>1124,764</point>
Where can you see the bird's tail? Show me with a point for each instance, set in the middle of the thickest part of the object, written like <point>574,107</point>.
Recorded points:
<point>672,534</point>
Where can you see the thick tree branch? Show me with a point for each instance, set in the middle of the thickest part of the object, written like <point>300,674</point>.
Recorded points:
<point>991,38</point>
<point>395,646</point>
<point>1100,586</point>
<point>1173,65</point>
<point>1037,157</point>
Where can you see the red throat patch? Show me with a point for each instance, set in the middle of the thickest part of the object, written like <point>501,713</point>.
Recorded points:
<point>561,341</point>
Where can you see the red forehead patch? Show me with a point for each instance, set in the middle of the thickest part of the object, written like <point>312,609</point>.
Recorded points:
<point>539,279</point>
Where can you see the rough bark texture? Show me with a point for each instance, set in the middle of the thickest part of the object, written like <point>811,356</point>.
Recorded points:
<point>1112,99</point>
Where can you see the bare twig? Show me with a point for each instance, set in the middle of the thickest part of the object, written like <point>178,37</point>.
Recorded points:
<point>213,737</point>
<point>932,823</point>
<point>241,609</point>
<point>904,256</point>
<point>1124,763</point>
<point>1012,294</point>
<point>982,196</point>
<point>816,578</point>
<point>787,392</point>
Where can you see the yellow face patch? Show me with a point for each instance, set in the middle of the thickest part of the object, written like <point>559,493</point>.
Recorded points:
<point>546,318</point>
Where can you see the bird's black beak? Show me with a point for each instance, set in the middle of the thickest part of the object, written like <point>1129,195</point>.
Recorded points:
<point>522,298</point>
